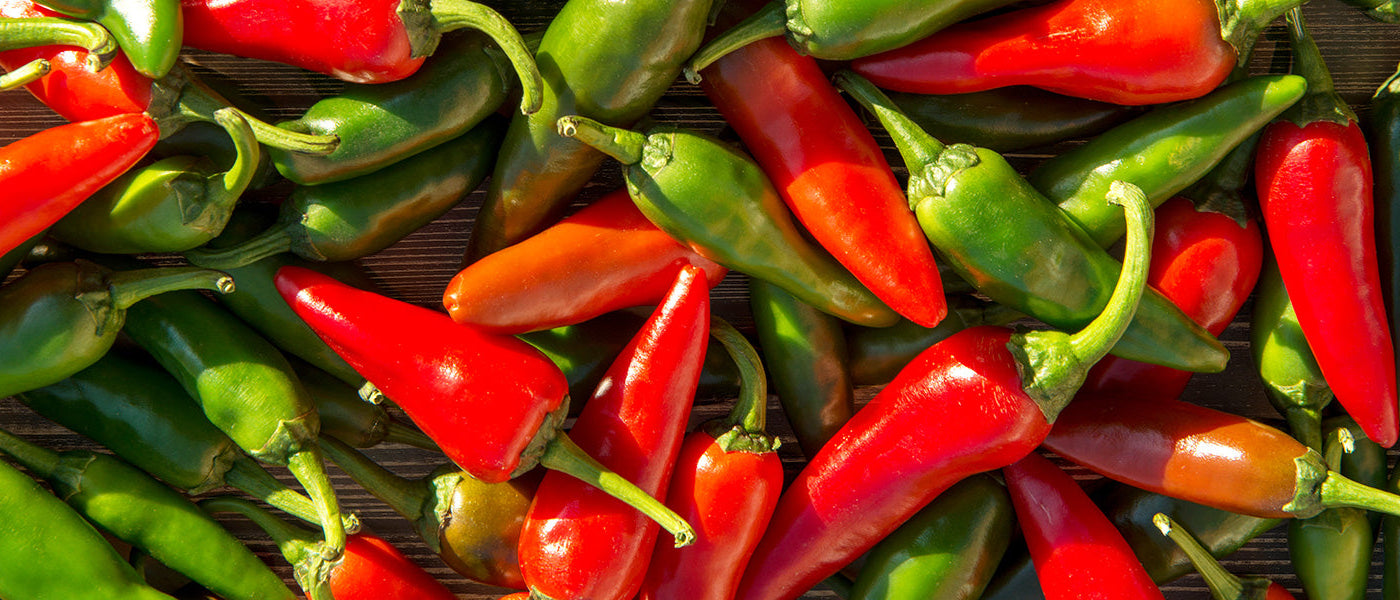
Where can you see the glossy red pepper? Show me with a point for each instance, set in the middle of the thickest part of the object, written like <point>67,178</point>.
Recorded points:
<point>829,170</point>
<point>961,407</point>
<point>1129,52</point>
<point>42,185</point>
<point>605,257</point>
<point>578,543</point>
<point>1313,174</point>
<point>1078,553</point>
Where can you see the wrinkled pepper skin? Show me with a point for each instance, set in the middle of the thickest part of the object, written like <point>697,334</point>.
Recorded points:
<point>1010,118</point>
<point>605,257</point>
<point>149,32</point>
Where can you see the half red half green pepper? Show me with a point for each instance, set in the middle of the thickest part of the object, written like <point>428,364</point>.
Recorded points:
<point>149,32</point>
<point>1223,584</point>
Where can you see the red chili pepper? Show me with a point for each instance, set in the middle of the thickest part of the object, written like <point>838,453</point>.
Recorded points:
<point>605,257</point>
<point>577,543</point>
<point>41,185</point>
<point>1122,51</point>
<point>1077,551</point>
<point>726,483</point>
<point>1313,175</point>
<point>830,172</point>
<point>494,404</point>
<point>961,407</point>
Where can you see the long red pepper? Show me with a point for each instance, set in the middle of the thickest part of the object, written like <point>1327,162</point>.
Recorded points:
<point>829,170</point>
<point>494,404</point>
<point>605,257</point>
<point>1313,174</point>
<point>1078,553</point>
<point>578,543</point>
<point>727,482</point>
<point>961,407</point>
<point>42,185</point>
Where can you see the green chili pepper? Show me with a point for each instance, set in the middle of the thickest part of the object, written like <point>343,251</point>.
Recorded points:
<point>948,550</point>
<point>1020,250</point>
<point>1383,136</point>
<point>1331,551</point>
<point>349,418</point>
<point>1292,379</point>
<point>13,258</point>
<point>719,202</point>
<point>141,413</point>
<point>61,317</point>
<point>149,32</point>
<point>48,551</point>
<point>212,141</point>
<point>1162,152</point>
<point>173,205</point>
<point>1010,118</point>
<point>1385,11</point>
<point>805,352</point>
<point>877,354</point>
<point>246,388</point>
<point>140,511</point>
<point>357,217</point>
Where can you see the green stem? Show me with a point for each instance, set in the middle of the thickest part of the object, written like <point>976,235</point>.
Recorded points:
<point>408,497</point>
<point>563,455</point>
<point>276,240</point>
<point>28,73</point>
<point>129,287</point>
<point>308,466</point>
<point>769,21</point>
<point>1094,341</point>
<point>916,146</point>
<point>458,14</point>
<point>1305,424</point>
<point>40,461</point>
<point>1339,443</point>
<point>751,409</point>
<point>1321,103</point>
<point>1338,491</point>
<point>1241,22</point>
<point>298,546</point>
<point>198,102</point>
<point>245,474</point>
<point>623,144</point>
<point>1223,584</point>
<point>398,433</point>
<point>226,188</point>
<point>53,31</point>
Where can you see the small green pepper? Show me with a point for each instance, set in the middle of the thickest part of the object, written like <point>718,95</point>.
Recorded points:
<point>1010,118</point>
<point>1292,379</point>
<point>149,32</point>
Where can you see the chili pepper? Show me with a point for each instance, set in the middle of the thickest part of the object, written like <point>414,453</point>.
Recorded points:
<point>213,142</point>
<point>78,93</point>
<point>584,351</point>
<point>349,418</point>
<point>1163,151</point>
<point>141,413</point>
<point>246,388</point>
<point>605,257</point>
<point>473,526</point>
<point>1313,175</point>
<point>376,42</point>
<point>381,124</point>
<point>835,30</point>
<point>42,186</point>
<point>806,352</point>
<point>1172,447</point>
<point>492,403</point>
<point>140,511</point>
<point>1010,118</point>
<point>1076,550</point>
<point>357,217</point>
<point>736,220</point>
<point>1133,53</point>
<point>29,31</point>
<point>1017,248</point>
<point>1390,545</point>
<point>607,59</point>
<point>947,551</point>
<point>51,552</point>
<point>1383,135</point>
<point>12,259</point>
<point>172,205</point>
<point>577,542</point>
<point>370,568</point>
<point>1223,585</point>
<point>1331,552</point>
<point>829,171</point>
<point>59,318</point>
<point>149,32</point>
<point>876,354</point>
<point>727,480</point>
<point>961,407</point>
<point>1385,11</point>
<point>1291,377</point>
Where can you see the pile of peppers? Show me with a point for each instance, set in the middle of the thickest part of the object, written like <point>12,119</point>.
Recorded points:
<point>910,309</point>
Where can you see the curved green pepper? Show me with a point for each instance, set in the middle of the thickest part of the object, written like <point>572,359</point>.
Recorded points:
<point>720,203</point>
<point>1292,379</point>
<point>213,142</point>
<point>1010,118</point>
<point>1331,551</point>
<point>876,354</point>
<point>140,511</point>
<point>948,550</point>
<point>149,32</point>
<point>172,205</point>
<point>357,217</point>
<point>1021,250</point>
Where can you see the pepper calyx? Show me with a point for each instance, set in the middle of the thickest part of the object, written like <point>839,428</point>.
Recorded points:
<point>553,423</point>
<point>1242,21</point>
<point>798,31</point>
<point>1311,473</point>
<point>933,178</point>
<point>417,17</point>
<point>443,482</point>
<point>735,438</point>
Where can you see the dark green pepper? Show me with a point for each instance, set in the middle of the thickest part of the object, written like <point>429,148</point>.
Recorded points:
<point>172,205</point>
<point>721,204</point>
<point>13,258</point>
<point>877,354</point>
<point>1022,251</point>
<point>1010,118</point>
<point>1292,379</point>
<point>349,418</point>
<point>149,32</point>
<point>138,510</point>
<point>357,217</point>
<point>1331,551</point>
<point>948,550</point>
<point>61,317</point>
<point>1383,136</point>
<point>212,141</point>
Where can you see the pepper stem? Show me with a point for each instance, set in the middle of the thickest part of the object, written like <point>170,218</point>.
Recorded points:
<point>916,146</point>
<point>1321,102</point>
<point>38,460</point>
<point>1223,584</point>
<point>1241,22</point>
<point>225,189</point>
<point>198,102</point>
<point>276,240</point>
<point>308,466</point>
<point>562,454</point>
<point>458,14</point>
<point>407,497</point>
<point>623,144</point>
<point>129,287</point>
<point>745,429</point>
<point>298,546</point>
<point>246,475</point>
<point>1338,491</point>
<point>1221,190</point>
<point>26,74</point>
<point>769,21</point>
<point>1304,422</point>
<point>54,31</point>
